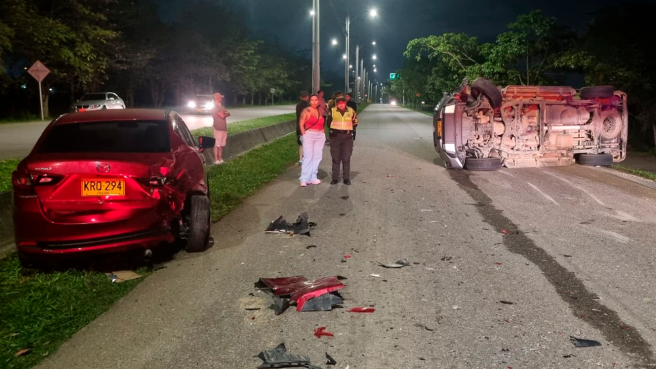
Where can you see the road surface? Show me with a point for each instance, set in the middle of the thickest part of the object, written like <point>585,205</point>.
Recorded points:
<point>506,266</point>
<point>17,139</point>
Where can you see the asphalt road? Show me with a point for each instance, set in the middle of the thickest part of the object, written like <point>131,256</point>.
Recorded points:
<point>578,260</point>
<point>17,139</point>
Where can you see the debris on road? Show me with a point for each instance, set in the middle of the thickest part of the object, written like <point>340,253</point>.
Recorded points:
<point>446,258</point>
<point>302,292</point>
<point>321,331</point>
<point>579,342</point>
<point>567,256</point>
<point>419,325</point>
<point>347,256</point>
<point>330,360</point>
<point>361,310</point>
<point>374,275</point>
<point>302,226</point>
<point>22,352</point>
<point>122,276</point>
<point>398,264</point>
<point>311,247</point>
<point>507,302</point>
<point>425,210</point>
<point>392,176</point>
<point>279,358</point>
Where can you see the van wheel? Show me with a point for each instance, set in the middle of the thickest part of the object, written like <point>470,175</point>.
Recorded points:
<point>602,160</point>
<point>482,164</point>
<point>489,89</point>
<point>611,126</point>
<point>595,92</point>
<point>199,224</point>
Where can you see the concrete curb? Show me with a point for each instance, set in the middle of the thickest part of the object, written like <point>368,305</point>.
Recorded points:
<point>236,145</point>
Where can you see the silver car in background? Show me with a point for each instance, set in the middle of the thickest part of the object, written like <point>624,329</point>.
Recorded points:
<point>98,101</point>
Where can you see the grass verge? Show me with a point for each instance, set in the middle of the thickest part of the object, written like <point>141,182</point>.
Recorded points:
<point>24,119</point>
<point>637,172</point>
<point>247,125</point>
<point>241,177</point>
<point>42,310</point>
<point>6,168</point>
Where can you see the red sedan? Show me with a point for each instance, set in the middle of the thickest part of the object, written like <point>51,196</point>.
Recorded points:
<point>111,180</point>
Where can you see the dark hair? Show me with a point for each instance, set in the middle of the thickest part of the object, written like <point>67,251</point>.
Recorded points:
<point>303,94</point>
<point>349,94</point>
<point>318,92</point>
<point>314,95</point>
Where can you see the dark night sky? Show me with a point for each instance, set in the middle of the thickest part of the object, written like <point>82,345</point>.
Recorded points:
<point>399,21</point>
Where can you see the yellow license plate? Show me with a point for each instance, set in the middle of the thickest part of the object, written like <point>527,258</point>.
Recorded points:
<point>103,187</point>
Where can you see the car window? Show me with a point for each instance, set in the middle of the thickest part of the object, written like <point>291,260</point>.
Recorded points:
<point>124,136</point>
<point>94,96</point>
<point>180,128</point>
<point>113,96</point>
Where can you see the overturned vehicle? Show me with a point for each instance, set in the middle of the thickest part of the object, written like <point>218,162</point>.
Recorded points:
<point>480,127</point>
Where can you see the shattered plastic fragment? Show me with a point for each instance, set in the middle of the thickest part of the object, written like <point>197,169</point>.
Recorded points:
<point>579,342</point>
<point>279,358</point>
<point>280,304</point>
<point>505,232</point>
<point>325,302</point>
<point>321,331</point>
<point>330,360</point>
<point>311,247</point>
<point>300,289</point>
<point>361,310</point>
<point>280,225</point>
<point>398,264</point>
<point>507,302</point>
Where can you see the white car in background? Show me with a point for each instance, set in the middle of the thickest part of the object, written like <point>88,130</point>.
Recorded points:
<point>98,101</point>
<point>201,104</point>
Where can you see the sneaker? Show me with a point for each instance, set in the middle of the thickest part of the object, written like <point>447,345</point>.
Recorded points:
<point>315,182</point>
<point>303,184</point>
<point>219,162</point>
<point>334,181</point>
<point>300,163</point>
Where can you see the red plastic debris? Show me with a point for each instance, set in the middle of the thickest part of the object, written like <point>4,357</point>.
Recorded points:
<point>498,263</point>
<point>347,256</point>
<point>361,310</point>
<point>321,331</point>
<point>505,232</point>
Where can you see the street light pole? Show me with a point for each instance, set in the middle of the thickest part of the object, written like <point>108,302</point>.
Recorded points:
<point>348,57</point>
<point>355,80</point>
<point>316,61</point>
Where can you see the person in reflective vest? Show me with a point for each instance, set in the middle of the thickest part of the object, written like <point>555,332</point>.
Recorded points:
<point>342,120</point>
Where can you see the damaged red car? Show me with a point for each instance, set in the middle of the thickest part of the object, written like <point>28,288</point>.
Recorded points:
<point>111,180</point>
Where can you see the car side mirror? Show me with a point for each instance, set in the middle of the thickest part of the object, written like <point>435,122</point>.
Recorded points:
<point>205,142</point>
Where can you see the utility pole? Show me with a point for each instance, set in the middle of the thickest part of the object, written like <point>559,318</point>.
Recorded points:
<point>316,58</point>
<point>348,57</point>
<point>355,80</point>
<point>361,75</point>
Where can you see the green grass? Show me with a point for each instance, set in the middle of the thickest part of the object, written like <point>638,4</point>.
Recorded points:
<point>6,168</point>
<point>637,172</point>
<point>247,125</point>
<point>42,310</point>
<point>241,177</point>
<point>23,119</point>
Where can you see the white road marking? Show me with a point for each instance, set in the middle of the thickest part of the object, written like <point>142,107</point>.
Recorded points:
<point>579,187</point>
<point>543,194</point>
<point>617,236</point>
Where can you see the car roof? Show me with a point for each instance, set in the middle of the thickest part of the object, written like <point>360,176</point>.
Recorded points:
<point>113,115</point>
<point>100,92</point>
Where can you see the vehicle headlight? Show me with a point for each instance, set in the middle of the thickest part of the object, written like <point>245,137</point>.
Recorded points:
<point>191,104</point>
<point>94,106</point>
<point>209,105</point>
<point>393,102</point>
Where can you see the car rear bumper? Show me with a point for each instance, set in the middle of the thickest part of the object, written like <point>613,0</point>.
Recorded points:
<point>137,240</point>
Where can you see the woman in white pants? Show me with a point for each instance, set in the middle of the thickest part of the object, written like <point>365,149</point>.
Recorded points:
<point>314,137</point>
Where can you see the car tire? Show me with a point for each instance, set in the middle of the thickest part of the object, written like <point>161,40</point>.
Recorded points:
<point>602,160</point>
<point>104,107</point>
<point>489,89</point>
<point>595,92</point>
<point>611,126</point>
<point>199,224</point>
<point>482,164</point>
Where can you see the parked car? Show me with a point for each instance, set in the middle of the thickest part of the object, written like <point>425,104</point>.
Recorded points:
<point>200,104</point>
<point>480,127</point>
<point>111,180</point>
<point>98,101</point>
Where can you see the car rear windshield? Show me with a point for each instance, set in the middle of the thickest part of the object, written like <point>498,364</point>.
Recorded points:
<point>89,97</point>
<point>130,136</point>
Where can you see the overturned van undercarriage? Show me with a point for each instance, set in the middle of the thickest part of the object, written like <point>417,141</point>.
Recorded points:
<point>480,127</point>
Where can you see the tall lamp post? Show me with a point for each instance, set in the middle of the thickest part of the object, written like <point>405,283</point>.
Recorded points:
<point>373,13</point>
<point>316,63</point>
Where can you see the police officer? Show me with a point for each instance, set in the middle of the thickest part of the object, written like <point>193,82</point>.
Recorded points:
<point>342,120</point>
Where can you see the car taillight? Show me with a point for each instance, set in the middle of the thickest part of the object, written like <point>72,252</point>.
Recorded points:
<point>21,181</point>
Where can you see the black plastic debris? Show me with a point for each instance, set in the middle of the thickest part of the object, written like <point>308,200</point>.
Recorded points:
<point>301,226</point>
<point>330,360</point>
<point>325,302</point>
<point>579,342</point>
<point>280,304</point>
<point>279,358</point>
<point>507,302</point>
<point>311,247</point>
<point>398,264</point>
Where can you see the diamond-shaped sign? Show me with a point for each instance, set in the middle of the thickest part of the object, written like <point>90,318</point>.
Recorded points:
<point>38,71</point>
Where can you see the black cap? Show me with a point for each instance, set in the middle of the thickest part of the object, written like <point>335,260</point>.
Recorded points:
<point>341,98</point>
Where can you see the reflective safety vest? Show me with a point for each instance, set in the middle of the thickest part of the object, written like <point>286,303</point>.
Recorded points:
<point>342,122</point>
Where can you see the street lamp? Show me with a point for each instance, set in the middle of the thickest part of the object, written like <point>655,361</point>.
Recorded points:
<point>375,70</point>
<point>374,43</point>
<point>374,57</point>
<point>334,41</point>
<point>373,13</point>
<point>312,13</point>
<point>344,56</point>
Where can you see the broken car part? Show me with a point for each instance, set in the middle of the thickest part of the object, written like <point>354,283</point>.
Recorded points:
<point>398,264</point>
<point>300,290</point>
<point>579,342</point>
<point>301,226</point>
<point>361,310</point>
<point>321,331</point>
<point>279,358</point>
<point>330,360</point>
